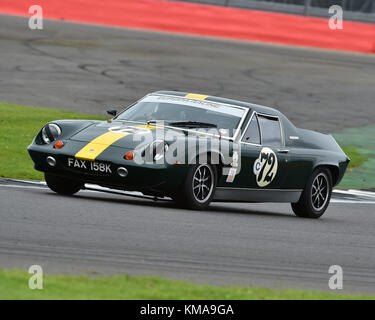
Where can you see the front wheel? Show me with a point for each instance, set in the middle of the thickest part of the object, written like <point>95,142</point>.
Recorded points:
<point>62,185</point>
<point>199,187</point>
<point>315,198</point>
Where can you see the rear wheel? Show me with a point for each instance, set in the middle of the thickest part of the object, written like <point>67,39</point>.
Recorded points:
<point>62,185</point>
<point>315,198</point>
<point>199,187</point>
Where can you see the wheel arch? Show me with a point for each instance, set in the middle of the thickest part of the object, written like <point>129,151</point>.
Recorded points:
<point>333,169</point>
<point>209,155</point>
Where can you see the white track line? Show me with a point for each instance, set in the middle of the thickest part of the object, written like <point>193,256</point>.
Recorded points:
<point>356,193</point>
<point>363,193</point>
<point>333,200</point>
<point>91,188</point>
<point>18,186</point>
<point>25,181</point>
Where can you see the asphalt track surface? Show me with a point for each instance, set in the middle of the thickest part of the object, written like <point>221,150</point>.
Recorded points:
<point>88,68</point>
<point>229,244</point>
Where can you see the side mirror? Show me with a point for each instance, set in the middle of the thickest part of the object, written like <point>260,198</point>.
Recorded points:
<point>112,112</point>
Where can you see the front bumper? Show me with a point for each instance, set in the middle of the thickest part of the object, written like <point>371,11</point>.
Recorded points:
<point>148,178</point>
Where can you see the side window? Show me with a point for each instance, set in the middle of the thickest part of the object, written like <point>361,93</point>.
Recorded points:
<point>252,134</point>
<point>271,131</point>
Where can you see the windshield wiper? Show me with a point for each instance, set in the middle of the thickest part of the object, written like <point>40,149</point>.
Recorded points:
<point>158,121</point>
<point>193,124</point>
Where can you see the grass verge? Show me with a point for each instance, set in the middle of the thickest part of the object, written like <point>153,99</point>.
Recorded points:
<point>18,127</point>
<point>359,145</point>
<point>356,158</point>
<point>14,285</point>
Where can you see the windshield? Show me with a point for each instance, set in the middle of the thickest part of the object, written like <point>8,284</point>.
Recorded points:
<point>187,111</point>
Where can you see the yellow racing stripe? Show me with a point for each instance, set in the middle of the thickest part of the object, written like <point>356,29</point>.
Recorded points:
<point>98,145</point>
<point>94,148</point>
<point>196,96</point>
<point>147,126</point>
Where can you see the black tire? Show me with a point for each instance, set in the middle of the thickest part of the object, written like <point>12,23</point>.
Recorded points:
<point>316,196</point>
<point>62,185</point>
<point>187,197</point>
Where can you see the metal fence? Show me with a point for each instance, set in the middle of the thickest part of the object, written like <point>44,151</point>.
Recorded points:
<point>358,10</point>
<point>365,6</point>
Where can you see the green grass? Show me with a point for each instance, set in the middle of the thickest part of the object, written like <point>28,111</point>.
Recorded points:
<point>14,285</point>
<point>356,159</point>
<point>18,127</point>
<point>361,150</point>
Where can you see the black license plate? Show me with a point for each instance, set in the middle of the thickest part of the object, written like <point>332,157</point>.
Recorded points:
<point>91,166</point>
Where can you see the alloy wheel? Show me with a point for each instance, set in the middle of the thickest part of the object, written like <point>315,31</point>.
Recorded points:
<point>319,192</point>
<point>203,183</point>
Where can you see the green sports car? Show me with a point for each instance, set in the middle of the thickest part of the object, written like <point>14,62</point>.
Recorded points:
<point>194,149</point>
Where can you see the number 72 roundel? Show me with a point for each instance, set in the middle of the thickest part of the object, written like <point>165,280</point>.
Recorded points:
<point>265,167</point>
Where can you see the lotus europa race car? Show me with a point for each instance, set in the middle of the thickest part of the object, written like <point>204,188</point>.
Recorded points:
<point>194,149</point>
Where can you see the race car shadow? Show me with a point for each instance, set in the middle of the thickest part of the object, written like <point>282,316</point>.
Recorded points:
<point>163,203</point>
<point>215,207</point>
<point>126,200</point>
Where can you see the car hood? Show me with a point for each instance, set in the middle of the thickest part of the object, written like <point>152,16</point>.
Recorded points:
<point>120,135</point>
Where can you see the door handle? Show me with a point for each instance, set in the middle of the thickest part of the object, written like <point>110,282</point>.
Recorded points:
<point>282,150</point>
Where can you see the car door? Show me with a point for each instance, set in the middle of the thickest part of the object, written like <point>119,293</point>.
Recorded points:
<point>250,144</point>
<point>263,157</point>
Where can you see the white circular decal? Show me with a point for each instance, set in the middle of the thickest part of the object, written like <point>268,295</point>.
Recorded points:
<point>129,130</point>
<point>265,167</point>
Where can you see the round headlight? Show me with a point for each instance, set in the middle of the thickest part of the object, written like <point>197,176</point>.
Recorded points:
<point>156,150</point>
<point>50,133</point>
